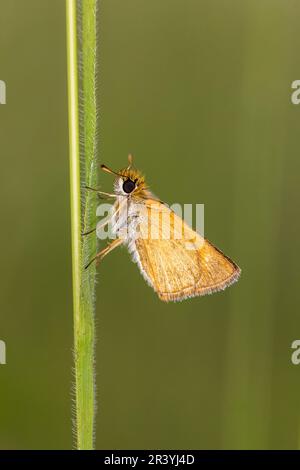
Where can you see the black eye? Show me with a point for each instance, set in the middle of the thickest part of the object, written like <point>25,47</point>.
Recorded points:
<point>128,186</point>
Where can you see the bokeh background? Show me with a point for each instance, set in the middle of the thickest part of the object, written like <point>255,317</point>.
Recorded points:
<point>199,91</point>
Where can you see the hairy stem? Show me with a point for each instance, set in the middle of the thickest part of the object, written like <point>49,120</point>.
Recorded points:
<point>82,130</point>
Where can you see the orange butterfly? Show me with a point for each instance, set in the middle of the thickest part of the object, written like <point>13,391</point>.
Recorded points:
<point>174,259</point>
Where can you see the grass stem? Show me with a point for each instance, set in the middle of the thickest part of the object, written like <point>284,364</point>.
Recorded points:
<point>82,137</point>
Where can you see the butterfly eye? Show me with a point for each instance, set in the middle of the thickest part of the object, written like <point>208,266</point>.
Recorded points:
<point>128,186</point>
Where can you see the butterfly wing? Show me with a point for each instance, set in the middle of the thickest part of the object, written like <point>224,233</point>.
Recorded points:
<point>175,260</point>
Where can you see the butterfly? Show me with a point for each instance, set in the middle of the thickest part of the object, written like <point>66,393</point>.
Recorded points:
<point>175,260</point>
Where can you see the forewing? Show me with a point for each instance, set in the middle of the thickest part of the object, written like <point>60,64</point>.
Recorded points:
<point>176,260</point>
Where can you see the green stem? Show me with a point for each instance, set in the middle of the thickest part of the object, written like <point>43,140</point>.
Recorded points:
<point>83,208</point>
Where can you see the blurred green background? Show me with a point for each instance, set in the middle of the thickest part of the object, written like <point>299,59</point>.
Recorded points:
<point>199,91</point>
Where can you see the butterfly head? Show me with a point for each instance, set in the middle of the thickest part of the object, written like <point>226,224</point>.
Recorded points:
<point>129,181</point>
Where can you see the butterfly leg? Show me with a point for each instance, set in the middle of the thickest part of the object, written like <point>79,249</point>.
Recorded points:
<point>99,256</point>
<point>107,220</point>
<point>107,195</point>
<point>99,226</point>
<point>89,232</point>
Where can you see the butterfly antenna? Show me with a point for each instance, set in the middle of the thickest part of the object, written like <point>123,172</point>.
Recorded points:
<point>108,170</point>
<point>130,161</point>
